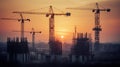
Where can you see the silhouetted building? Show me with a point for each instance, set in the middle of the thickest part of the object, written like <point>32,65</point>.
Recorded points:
<point>81,50</point>
<point>56,48</point>
<point>108,53</point>
<point>17,49</point>
<point>55,51</point>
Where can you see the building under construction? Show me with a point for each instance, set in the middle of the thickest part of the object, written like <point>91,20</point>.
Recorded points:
<point>56,48</point>
<point>17,49</point>
<point>81,50</point>
<point>55,52</point>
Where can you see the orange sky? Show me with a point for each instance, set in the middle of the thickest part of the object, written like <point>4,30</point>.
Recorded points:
<point>83,19</point>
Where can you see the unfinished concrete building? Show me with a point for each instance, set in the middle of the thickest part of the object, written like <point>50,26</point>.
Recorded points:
<point>81,50</point>
<point>17,49</point>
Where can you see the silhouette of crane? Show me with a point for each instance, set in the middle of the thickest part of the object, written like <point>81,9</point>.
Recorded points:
<point>51,23</point>
<point>22,23</point>
<point>97,27</point>
<point>33,32</point>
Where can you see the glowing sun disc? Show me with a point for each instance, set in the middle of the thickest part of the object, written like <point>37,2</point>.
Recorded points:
<point>62,37</point>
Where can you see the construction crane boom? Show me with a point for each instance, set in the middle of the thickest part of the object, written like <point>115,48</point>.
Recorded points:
<point>51,23</point>
<point>9,19</point>
<point>14,19</point>
<point>41,13</point>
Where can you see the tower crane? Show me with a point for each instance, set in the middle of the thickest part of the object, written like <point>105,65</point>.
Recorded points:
<point>33,32</point>
<point>97,27</point>
<point>22,20</point>
<point>50,14</point>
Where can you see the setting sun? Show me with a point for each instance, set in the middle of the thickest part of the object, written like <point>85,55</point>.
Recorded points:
<point>62,36</point>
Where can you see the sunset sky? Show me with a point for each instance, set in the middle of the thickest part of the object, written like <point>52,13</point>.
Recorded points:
<point>64,26</point>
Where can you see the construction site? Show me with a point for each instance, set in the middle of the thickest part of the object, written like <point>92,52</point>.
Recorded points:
<point>82,51</point>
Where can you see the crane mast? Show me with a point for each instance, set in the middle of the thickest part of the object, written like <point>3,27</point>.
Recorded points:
<point>22,26</point>
<point>51,26</point>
